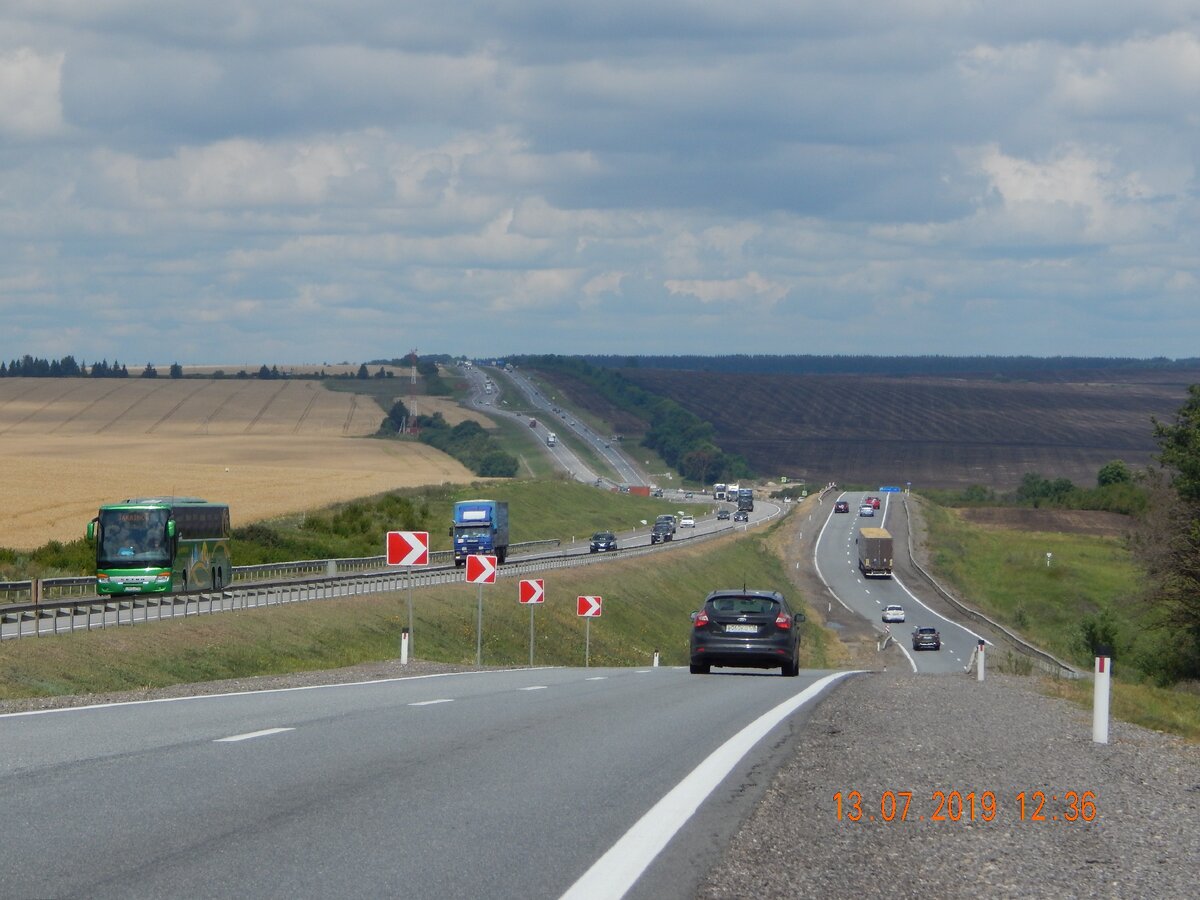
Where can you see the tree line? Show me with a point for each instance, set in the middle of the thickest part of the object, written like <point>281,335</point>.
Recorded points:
<point>467,441</point>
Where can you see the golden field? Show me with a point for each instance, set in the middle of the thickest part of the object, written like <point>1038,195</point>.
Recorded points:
<point>267,448</point>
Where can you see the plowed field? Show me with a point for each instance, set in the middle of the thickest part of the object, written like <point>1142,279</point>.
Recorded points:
<point>265,447</point>
<point>933,432</point>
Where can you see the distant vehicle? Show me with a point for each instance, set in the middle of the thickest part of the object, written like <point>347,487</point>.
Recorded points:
<point>657,492</point>
<point>842,506</point>
<point>533,423</point>
<point>161,544</point>
<point>745,499</point>
<point>603,541</point>
<point>893,613</point>
<point>745,628</point>
<point>866,510</point>
<point>926,638</point>
<point>873,502</point>
<point>551,439</point>
<point>480,526</point>
<point>741,516</point>
<point>662,532</point>
<point>723,515</point>
<point>688,495</point>
<point>875,552</point>
<point>667,519</point>
<point>718,491</point>
<point>687,522</point>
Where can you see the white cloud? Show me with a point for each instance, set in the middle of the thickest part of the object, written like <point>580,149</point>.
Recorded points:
<point>30,93</point>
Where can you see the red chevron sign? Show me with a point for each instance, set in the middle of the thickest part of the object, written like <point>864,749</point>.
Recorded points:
<point>589,607</point>
<point>408,548</point>
<point>481,569</point>
<point>532,591</point>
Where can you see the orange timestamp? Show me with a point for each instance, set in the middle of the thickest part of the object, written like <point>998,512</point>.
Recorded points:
<point>966,806</point>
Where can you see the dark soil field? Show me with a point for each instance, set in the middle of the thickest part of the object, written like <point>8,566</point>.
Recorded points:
<point>931,432</point>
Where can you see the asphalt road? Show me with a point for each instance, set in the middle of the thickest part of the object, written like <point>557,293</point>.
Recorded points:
<point>836,558</point>
<point>501,784</point>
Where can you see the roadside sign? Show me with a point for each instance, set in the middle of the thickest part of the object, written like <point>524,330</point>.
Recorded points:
<point>532,591</point>
<point>408,548</point>
<point>481,569</point>
<point>888,489</point>
<point>589,607</point>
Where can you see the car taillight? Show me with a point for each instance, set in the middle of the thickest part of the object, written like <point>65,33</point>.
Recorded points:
<point>783,620</point>
<point>701,619</point>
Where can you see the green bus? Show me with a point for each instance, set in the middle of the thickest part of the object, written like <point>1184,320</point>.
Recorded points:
<point>161,544</point>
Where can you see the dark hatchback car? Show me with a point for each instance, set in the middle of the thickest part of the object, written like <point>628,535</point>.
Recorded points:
<point>602,541</point>
<point>926,638</point>
<point>841,506</point>
<point>741,516</point>
<point>722,515</point>
<point>746,629</point>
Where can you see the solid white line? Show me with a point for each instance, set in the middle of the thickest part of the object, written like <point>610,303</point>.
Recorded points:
<point>252,734</point>
<point>430,702</point>
<point>535,687</point>
<point>614,873</point>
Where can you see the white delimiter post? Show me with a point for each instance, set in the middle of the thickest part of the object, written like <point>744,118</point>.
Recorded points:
<point>1103,678</point>
<point>404,646</point>
<point>979,662</point>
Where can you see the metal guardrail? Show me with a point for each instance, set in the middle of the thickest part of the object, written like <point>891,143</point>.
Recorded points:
<point>1047,660</point>
<point>84,586</point>
<point>50,617</point>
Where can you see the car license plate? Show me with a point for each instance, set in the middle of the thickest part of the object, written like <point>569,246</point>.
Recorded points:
<point>741,629</point>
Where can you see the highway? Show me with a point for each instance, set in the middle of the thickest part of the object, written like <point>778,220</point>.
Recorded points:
<point>500,784</point>
<point>836,559</point>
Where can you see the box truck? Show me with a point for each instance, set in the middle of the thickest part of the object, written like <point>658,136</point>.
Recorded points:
<point>480,526</point>
<point>875,552</point>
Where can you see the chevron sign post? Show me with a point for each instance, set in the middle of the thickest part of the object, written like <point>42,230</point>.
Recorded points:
<point>531,593</point>
<point>407,548</point>
<point>588,608</point>
<point>480,570</point>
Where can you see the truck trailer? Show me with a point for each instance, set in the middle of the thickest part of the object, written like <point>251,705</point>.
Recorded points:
<point>875,552</point>
<point>480,526</point>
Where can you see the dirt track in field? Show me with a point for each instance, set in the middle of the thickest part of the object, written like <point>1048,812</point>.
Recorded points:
<point>266,447</point>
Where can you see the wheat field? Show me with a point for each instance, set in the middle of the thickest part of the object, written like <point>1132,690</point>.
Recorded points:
<point>267,448</point>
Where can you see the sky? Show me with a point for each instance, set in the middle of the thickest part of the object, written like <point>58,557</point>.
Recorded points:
<point>243,181</point>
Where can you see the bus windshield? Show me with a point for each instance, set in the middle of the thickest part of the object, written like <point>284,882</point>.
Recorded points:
<point>133,538</point>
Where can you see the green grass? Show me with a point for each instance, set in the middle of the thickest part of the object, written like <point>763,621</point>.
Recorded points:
<point>1004,573</point>
<point>1161,709</point>
<point>646,605</point>
<point>1089,581</point>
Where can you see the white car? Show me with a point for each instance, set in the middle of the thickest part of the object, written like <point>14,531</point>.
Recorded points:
<point>687,522</point>
<point>893,613</point>
<point>866,510</point>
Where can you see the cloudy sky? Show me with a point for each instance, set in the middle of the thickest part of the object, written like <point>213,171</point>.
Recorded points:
<point>236,181</point>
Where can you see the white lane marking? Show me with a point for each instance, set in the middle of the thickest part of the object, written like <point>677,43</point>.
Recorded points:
<point>597,678</point>
<point>251,734</point>
<point>430,702</point>
<point>535,687</point>
<point>614,873</point>
<point>307,687</point>
<point>642,671</point>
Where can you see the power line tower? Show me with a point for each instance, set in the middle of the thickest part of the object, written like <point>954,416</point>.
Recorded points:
<point>412,392</point>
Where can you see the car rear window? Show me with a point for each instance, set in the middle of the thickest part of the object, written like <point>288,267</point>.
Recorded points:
<point>744,605</point>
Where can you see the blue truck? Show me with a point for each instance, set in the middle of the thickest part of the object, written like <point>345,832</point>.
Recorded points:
<point>480,526</point>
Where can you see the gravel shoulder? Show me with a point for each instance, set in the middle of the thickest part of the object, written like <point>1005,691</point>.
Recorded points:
<point>924,734</point>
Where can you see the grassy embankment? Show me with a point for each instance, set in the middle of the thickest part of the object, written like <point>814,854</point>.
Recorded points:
<point>1090,583</point>
<point>646,606</point>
